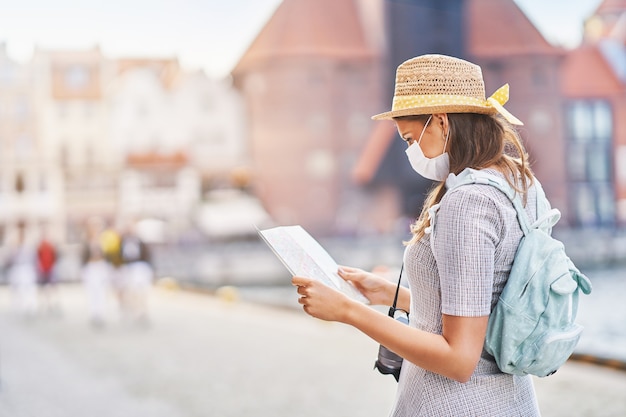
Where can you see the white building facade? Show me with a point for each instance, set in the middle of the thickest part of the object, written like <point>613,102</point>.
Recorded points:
<point>82,135</point>
<point>31,185</point>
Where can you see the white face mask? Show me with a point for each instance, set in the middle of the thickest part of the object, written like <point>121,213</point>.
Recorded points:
<point>437,168</point>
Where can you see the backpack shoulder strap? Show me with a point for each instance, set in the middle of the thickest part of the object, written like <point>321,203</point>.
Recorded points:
<point>546,218</point>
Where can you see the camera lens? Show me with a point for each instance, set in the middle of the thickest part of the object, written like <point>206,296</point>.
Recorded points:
<point>388,359</point>
<point>388,362</point>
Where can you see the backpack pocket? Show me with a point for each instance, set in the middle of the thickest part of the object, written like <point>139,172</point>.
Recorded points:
<point>548,351</point>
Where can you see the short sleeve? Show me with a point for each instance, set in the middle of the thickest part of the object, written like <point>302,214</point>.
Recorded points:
<point>464,242</point>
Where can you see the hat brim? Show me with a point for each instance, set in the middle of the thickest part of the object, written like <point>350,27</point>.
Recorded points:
<point>446,108</point>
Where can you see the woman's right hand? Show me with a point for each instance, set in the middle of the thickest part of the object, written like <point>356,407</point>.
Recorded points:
<point>378,290</point>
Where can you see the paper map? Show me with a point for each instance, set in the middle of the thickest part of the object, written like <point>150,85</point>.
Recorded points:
<point>304,256</point>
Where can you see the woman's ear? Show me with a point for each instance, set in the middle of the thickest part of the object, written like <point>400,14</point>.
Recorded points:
<point>442,121</point>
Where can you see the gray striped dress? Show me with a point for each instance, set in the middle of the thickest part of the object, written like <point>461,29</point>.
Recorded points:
<point>462,273</point>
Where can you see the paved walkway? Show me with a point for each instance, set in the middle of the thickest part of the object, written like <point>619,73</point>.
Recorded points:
<point>203,357</point>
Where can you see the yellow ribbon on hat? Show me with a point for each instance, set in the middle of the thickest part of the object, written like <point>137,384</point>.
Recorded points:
<point>498,99</point>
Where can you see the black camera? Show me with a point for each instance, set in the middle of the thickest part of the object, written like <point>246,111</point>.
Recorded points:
<point>388,362</point>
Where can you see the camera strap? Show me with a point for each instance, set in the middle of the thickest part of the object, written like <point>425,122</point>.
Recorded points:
<point>392,309</point>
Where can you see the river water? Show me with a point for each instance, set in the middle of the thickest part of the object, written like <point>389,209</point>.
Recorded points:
<point>602,313</point>
<point>261,278</point>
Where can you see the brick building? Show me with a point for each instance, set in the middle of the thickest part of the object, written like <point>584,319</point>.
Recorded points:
<point>311,78</point>
<point>310,82</point>
<point>593,83</point>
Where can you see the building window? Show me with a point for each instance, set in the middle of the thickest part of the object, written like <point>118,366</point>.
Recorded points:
<point>24,147</point>
<point>89,154</point>
<point>44,184</point>
<point>207,103</point>
<point>62,110</point>
<point>19,183</point>
<point>590,130</point>
<point>88,109</point>
<point>6,74</point>
<point>142,110</point>
<point>76,77</point>
<point>539,77</point>
<point>64,155</point>
<point>316,78</point>
<point>21,108</point>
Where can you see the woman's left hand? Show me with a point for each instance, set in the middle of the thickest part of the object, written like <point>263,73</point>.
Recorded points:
<point>321,301</point>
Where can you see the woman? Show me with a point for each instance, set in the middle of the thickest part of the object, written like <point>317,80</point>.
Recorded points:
<point>456,274</point>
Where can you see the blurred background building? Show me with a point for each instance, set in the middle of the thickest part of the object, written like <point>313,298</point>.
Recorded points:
<point>288,137</point>
<point>311,81</point>
<point>318,70</point>
<point>120,139</point>
<point>321,162</point>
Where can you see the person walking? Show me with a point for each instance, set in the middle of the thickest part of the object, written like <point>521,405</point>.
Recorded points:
<point>137,275</point>
<point>22,275</point>
<point>455,275</point>
<point>46,261</point>
<point>96,274</point>
<point>111,246</point>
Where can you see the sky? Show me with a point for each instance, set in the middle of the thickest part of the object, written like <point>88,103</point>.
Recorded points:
<point>210,35</point>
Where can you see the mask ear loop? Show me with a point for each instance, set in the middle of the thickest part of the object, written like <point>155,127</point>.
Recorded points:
<point>445,144</point>
<point>424,130</point>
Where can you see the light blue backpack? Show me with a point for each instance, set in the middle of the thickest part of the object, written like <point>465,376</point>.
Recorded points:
<point>532,329</point>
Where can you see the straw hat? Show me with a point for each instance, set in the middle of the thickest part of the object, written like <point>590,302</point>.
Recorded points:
<point>430,84</point>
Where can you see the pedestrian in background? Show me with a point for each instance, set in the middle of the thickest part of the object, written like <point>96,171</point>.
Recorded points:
<point>137,274</point>
<point>456,275</point>
<point>46,261</point>
<point>111,245</point>
<point>22,274</point>
<point>96,274</point>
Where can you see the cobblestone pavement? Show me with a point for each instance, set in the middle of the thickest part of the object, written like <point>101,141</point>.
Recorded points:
<point>202,356</point>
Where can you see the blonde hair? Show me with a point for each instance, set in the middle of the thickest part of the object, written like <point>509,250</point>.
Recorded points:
<point>478,141</point>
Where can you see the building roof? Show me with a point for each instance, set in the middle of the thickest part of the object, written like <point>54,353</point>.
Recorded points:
<point>167,70</point>
<point>618,31</point>
<point>499,28</point>
<point>305,28</point>
<point>585,73</point>
<point>608,21</point>
<point>611,6</point>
